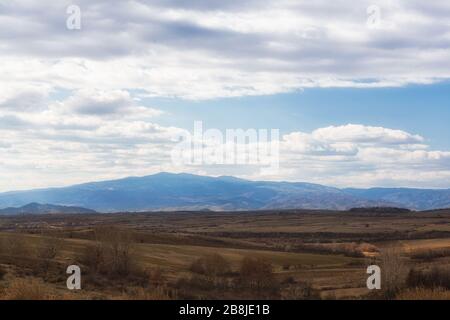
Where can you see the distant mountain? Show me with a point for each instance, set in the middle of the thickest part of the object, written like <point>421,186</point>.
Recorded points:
<point>166,191</point>
<point>36,208</point>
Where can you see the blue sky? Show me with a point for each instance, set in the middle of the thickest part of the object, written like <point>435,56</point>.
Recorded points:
<point>419,109</point>
<point>359,90</point>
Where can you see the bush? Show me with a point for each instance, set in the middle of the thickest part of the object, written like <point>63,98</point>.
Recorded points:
<point>112,254</point>
<point>434,278</point>
<point>195,282</point>
<point>94,258</point>
<point>211,266</point>
<point>393,272</point>
<point>429,254</point>
<point>257,274</point>
<point>352,249</point>
<point>301,291</point>
<point>156,277</point>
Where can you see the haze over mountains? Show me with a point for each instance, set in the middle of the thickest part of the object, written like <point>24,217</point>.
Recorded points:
<point>166,191</point>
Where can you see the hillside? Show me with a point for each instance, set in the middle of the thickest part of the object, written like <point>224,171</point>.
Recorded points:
<point>36,208</point>
<point>166,191</point>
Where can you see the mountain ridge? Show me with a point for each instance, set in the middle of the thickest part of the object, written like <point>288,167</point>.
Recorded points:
<point>37,208</point>
<point>193,192</point>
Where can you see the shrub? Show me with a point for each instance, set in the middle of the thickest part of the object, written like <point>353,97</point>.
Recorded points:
<point>301,291</point>
<point>94,258</point>
<point>434,278</point>
<point>393,272</point>
<point>156,277</point>
<point>112,253</point>
<point>211,266</point>
<point>257,274</point>
<point>429,254</point>
<point>352,249</point>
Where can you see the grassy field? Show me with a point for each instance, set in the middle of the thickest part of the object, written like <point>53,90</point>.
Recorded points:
<point>188,255</point>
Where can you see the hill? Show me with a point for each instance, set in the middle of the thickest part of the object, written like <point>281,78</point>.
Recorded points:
<point>36,208</point>
<point>416,199</point>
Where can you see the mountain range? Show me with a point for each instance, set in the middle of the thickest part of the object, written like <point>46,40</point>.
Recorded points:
<point>167,191</point>
<point>37,208</point>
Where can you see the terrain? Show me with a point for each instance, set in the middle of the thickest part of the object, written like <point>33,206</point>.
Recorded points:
<point>271,254</point>
<point>170,192</point>
<point>37,208</point>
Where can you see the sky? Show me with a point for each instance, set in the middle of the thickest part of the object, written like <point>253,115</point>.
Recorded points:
<point>360,92</point>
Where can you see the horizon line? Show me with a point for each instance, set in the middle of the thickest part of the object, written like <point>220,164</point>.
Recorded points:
<point>216,177</point>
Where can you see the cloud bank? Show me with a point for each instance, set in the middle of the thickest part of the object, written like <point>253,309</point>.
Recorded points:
<point>70,100</point>
<point>210,49</point>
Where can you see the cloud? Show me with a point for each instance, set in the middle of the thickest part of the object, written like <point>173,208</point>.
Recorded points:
<point>210,49</point>
<point>366,134</point>
<point>363,156</point>
<point>106,104</point>
<point>70,101</point>
<point>64,140</point>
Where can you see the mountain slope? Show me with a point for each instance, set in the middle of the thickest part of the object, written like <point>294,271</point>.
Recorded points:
<point>165,191</point>
<point>185,191</point>
<point>36,208</point>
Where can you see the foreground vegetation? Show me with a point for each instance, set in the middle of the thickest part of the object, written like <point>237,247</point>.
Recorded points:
<point>263,255</point>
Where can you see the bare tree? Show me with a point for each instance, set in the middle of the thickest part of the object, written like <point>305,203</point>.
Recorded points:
<point>113,251</point>
<point>257,274</point>
<point>394,271</point>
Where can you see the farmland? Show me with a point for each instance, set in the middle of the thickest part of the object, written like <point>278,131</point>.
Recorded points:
<point>294,254</point>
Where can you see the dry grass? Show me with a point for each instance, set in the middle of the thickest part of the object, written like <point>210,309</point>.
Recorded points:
<point>351,249</point>
<point>27,289</point>
<point>424,294</point>
<point>161,256</point>
<point>138,293</point>
<point>211,266</point>
<point>430,254</point>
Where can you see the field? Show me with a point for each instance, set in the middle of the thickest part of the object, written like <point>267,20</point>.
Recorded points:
<point>296,254</point>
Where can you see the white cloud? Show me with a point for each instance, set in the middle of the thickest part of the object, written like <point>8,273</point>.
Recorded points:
<point>40,148</point>
<point>210,49</point>
<point>362,156</point>
<point>67,107</point>
<point>117,103</point>
<point>365,134</point>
